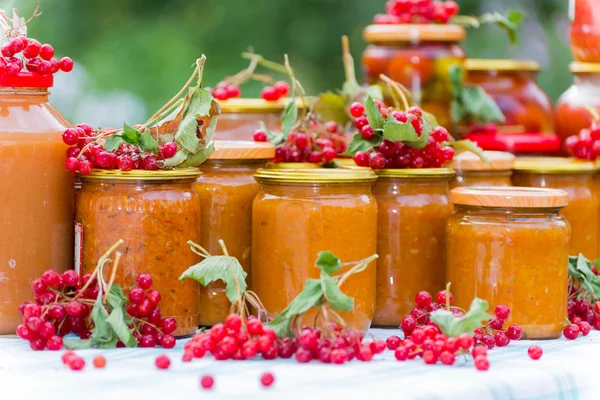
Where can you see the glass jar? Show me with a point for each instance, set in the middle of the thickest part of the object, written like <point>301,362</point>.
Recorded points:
<point>155,213</point>
<point>585,30</point>
<point>570,114</point>
<point>413,209</point>
<point>227,188</point>
<point>513,86</point>
<point>472,171</point>
<point>577,179</point>
<point>36,194</point>
<point>510,246</point>
<point>299,213</point>
<point>419,58</point>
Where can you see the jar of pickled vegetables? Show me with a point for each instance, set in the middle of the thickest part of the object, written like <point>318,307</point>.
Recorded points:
<point>227,188</point>
<point>418,57</point>
<point>155,213</point>
<point>413,210</point>
<point>299,213</point>
<point>577,179</point>
<point>570,115</point>
<point>510,245</point>
<point>513,86</point>
<point>585,30</point>
<point>471,170</point>
<point>36,194</point>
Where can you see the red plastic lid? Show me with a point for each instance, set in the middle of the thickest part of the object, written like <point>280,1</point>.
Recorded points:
<point>530,142</point>
<point>27,79</point>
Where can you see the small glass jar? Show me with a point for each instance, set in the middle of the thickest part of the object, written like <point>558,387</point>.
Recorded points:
<point>473,171</point>
<point>585,30</point>
<point>577,179</point>
<point>570,114</point>
<point>513,86</point>
<point>155,213</point>
<point>510,246</point>
<point>36,194</point>
<point>299,213</point>
<point>413,209</point>
<point>418,57</point>
<point>227,188</point>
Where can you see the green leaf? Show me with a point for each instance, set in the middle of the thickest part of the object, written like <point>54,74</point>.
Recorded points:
<point>510,23</point>
<point>275,138</point>
<point>580,268</point>
<point>77,344</point>
<point>334,295</point>
<point>194,160</point>
<point>112,142</point>
<point>454,326</point>
<point>404,132</point>
<point>131,135</point>
<point>373,114</point>
<point>178,158</point>
<point>468,145</point>
<point>480,105</point>
<point>186,134</point>
<point>375,92</point>
<point>289,118</point>
<point>102,331</point>
<point>328,262</point>
<point>147,142</point>
<point>431,119</point>
<point>227,269</point>
<point>332,107</point>
<point>456,75</point>
<point>351,89</point>
<point>359,143</point>
<point>311,296</point>
<point>118,319</point>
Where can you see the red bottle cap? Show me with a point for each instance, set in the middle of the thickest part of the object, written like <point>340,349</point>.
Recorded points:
<point>529,143</point>
<point>27,79</point>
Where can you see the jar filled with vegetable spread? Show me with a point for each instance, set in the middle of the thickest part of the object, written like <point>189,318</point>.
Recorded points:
<point>227,188</point>
<point>299,213</point>
<point>510,245</point>
<point>36,194</point>
<point>155,213</point>
<point>471,170</point>
<point>419,57</point>
<point>577,179</point>
<point>585,31</point>
<point>513,86</point>
<point>413,209</point>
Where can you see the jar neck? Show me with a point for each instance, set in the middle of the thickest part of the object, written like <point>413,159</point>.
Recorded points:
<point>587,78</point>
<point>25,94</point>
<point>232,165</point>
<point>513,212</point>
<point>137,183</point>
<point>484,174</point>
<point>314,189</point>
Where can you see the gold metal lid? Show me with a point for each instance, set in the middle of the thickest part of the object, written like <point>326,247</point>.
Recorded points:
<point>292,165</point>
<point>320,175</point>
<point>242,150</point>
<point>509,197</point>
<point>414,33</point>
<point>498,161</point>
<point>554,165</point>
<point>415,173</point>
<point>480,64</point>
<point>143,175</point>
<point>241,105</point>
<point>582,67</point>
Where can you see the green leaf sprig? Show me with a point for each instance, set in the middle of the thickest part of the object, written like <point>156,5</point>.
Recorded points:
<point>510,22</point>
<point>580,270</point>
<point>453,326</point>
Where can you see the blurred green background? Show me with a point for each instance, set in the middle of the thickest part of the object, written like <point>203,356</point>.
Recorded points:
<point>133,55</point>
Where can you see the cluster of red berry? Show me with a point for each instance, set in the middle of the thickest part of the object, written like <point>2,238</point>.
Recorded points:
<point>63,305</point>
<point>417,12</point>
<point>586,144</point>
<point>225,91</point>
<point>35,57</point>
<point>86,152</point>
<point>583,316</point>
<point>397,154</point>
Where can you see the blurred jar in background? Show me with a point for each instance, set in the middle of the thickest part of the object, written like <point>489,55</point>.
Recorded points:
<point>585,30</point>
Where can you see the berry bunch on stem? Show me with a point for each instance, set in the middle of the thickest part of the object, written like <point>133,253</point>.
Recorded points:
<point>417,12</point>
<point>586,144</point>
<point>583,307</point>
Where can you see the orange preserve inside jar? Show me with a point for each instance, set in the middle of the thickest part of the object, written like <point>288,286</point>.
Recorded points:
<point>36,194</point>
<point>227,188</point>
<point>299,213</point>
<point>418,57</point>
<point>510,245</point>
<point>570,114</point>
<point>513,86</point>
<point>577,179</point>
<point>585,30</point>
<point>413,209</point>
<point>155,213</point>
<point>471,170</point>
<point>240,117</point>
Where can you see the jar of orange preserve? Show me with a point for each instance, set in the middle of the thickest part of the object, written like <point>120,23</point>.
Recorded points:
<point>227,188</point>
<point>155,213</point>
<point>413,209</point>
<point>299,213</point>
<point>471,170</point>
<point>510,245</point>
<point>577,179</point>
<point>36,195</point>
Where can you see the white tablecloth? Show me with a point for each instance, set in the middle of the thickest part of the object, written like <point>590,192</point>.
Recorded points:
<point>567,370</point>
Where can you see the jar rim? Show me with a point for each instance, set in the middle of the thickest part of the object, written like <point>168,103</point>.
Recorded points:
<point>485,64</point>
<point>497,161</point>
<point>577,67</point>
<point>319,175</point>
<point>143,175</point>
<point>554,165</point>
<point>509,197</point>
<point>255,105</point>
<point>241,150</point>
<point>414,33</point>
<point>292,165</point>
<point>415,173</point>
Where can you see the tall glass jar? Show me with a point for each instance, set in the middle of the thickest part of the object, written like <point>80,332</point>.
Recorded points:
<point>570,115</point>
<point>155,213</point>
<point>299,213</point>
<point>413,209</point>
<point>577,179</point>
<point>513,86</point>
<point>418,57</point>
<point>36,194</point>
<point>473,171</point>
<point>227,188</point>
<point>585,30</point>
<point>511,246</point>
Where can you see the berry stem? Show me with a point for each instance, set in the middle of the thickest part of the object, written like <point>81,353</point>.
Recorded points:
<point>357,268</point>
<point>448,295</point>
<point>398,89</point>
<point>113,274</point>
<point>199,250</point>
<point>466,20</point>
<point>260,60</point>
<point>101,262</point>
<point>594,113</point>
<point>348,61</point>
